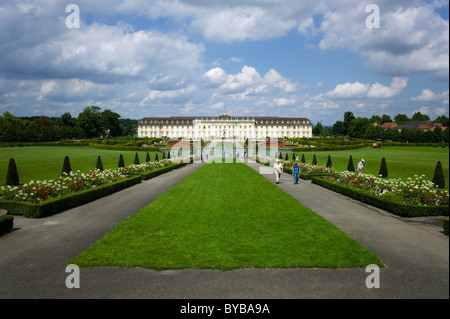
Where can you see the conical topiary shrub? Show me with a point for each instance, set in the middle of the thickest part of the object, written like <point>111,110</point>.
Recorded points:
<point>164,155</point>
<point>314,162</point>
<point>439,178</point>
<point>329,163</point>
<point>66,166</point>
<point>293,157</point>
<point>383,168</point>
<point>99,165</point>
<point>303,159</point>
<point>156,158</point>
<point>12,176</point>
<point>136,159</point>
<point>121,162</point>
<point>350,166</point>
<point>286,158</point>
<point>147,159</point>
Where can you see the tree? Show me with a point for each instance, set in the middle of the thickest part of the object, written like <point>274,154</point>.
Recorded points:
<point>121,162</point>
<point>350,166</point>
<point>358,127</point>
<point>66,166</point>
<point>90,121</point>
<point>401,119</point>
<point>329,163</point>
<point>314,162</point>
<point>12,176</point>
<point>147,159</point>
<point>136,159</point>
<point>99,165</point>
<point>338,128</point>
<point>420,117</point>
<point>348,119</point>
<point>293,157</point>
<point>317,129</point>
<point>439,178</point>
<point>303,159</point>
<point>383,172</point>
<point>157,159</point>
<point>111,123</point>
<point>443,120</point>
<point>385,119</point>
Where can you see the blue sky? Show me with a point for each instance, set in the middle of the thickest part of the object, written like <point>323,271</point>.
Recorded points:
<point>315,59</point>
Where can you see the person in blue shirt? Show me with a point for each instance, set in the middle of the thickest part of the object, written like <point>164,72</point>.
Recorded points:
<point>296,173</point>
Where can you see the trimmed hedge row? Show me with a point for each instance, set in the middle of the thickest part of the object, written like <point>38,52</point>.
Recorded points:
<point>6,223</point>
<point>329,147</point>
<point>394,207</point>
<point>445,225</point>
<point>123,148</point>
<point>55,205</point>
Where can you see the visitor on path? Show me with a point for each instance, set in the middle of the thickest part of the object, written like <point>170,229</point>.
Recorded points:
<point>360,167</point>
<point>277,169</point>
<point>296,173</point>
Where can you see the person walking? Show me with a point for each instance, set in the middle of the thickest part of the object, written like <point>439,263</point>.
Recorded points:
<point>296,173</point>
<point>360,166</point>
<point>277,169</point>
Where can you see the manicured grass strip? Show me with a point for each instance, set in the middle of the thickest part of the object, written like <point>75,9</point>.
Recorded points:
<point>226,216</point>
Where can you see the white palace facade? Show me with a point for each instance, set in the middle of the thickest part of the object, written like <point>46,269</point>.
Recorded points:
<point>224,126</point>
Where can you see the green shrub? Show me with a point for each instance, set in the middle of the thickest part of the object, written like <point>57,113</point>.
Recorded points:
<point>350,166</point>
<point>12,176</point>
<point>156,158</point>
<point>147,159</point>
<point>314,162</point>
<point>445,225</point>
<point>303,159</point>
<point>438,178</point>
<point>121,162</point>
<point>66,166</point>
<point>136,159</point>
<point>383,168</point>
<point>6,223</point>
<point>329,163</point>
<point>99,165</point>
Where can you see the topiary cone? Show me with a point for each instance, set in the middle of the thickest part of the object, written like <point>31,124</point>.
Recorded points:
<point>66,166</point>
<point>383,168</point>
<point>12,176</point>
<point>439,178</point>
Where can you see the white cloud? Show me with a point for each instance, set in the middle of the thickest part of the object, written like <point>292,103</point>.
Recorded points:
<point>360,90</point>
<point>428,95</point>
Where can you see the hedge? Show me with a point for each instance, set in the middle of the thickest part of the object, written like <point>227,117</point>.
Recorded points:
<point>159,171</point>
<point>6,223</point>
<point>123,148</point>
<point>445,225</point>
<point>394,207</point>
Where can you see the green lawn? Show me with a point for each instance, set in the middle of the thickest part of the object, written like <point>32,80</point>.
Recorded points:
<point>226,216</point>
<point>46,162</point>
<point>402,161</point>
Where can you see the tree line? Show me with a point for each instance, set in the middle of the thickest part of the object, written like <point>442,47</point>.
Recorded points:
<point>370,128</point>
<point>91,122</point>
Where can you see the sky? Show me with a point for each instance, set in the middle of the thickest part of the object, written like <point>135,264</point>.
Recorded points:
<point>315,59</point>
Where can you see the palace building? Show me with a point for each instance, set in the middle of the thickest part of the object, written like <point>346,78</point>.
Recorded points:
<point>224,126</point>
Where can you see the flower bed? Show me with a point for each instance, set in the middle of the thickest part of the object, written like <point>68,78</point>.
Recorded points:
<point>43,198</point>
<point>411,198</point>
